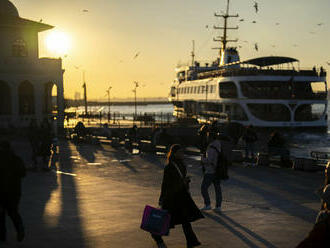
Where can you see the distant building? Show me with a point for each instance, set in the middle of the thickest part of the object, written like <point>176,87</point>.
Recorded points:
<point>26,81</point>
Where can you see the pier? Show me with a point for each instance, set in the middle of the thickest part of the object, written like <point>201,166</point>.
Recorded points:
<point>89,202</point>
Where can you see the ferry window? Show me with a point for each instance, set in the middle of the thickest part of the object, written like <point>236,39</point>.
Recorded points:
<point>195,89</point>
<point>309,112</point>
<point>237,113</point>
<point>19,48</point>
<point>199,90</point>
<point>319,90</point>
<point>228,90</point>
<point>270,112</point>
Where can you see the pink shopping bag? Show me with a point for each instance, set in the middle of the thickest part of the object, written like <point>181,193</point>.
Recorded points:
<point>156,221</point>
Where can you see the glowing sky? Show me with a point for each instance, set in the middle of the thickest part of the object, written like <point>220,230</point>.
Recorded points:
<point>105,40</point>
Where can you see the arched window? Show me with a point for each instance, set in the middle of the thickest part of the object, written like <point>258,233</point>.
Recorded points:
<point>19,48</point>
<point>50,98</point>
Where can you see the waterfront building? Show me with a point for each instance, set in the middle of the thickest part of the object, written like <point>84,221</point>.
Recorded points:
<point>26,81</point>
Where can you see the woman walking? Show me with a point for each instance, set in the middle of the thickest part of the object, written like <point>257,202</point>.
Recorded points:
<point>175,197</point>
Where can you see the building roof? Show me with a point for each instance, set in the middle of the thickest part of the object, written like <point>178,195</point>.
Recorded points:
<point>9,17</point>
<point>270,60</point>
<point>13,21</point>
<point>8,9</point>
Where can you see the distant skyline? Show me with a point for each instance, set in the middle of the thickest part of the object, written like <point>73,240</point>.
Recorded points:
<point>118,42</point>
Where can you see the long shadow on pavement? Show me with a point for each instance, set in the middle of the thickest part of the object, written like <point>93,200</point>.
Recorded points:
<point>238,233</point>
<point>69,218</point>
<point>277,201</point>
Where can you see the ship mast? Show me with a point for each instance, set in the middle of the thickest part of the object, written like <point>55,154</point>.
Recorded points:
<point>223,39</point>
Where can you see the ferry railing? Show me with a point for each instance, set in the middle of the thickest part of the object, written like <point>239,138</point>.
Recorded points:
<point>121,119</point>
<point>252,71</point>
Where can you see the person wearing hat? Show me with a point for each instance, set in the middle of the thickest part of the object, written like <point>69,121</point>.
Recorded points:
<point>209,162</point>
<point>320,234</point>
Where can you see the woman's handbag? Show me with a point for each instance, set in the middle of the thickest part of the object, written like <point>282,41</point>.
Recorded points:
<point>156,221</point>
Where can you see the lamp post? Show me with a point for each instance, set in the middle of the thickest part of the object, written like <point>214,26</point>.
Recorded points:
<point>136,86</point>
<point>109,103</point>
<point>85,93</point>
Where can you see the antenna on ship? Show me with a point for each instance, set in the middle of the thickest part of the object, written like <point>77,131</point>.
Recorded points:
<point>223,39</point>
<point>193,53</point>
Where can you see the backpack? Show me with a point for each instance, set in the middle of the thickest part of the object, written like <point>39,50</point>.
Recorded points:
<point>221,170</point>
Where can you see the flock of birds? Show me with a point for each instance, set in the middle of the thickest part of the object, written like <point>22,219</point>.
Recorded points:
<point>256,47</point>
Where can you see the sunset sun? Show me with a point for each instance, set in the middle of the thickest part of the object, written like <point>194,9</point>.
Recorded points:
<point>58,43</point>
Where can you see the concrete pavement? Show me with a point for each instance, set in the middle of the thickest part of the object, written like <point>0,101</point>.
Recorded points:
<point>98,196</point>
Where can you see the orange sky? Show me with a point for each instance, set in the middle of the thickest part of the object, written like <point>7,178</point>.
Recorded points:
<point>105,39</point>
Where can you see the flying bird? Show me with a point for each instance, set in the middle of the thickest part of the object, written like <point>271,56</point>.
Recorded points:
<point>256,46</point>
<point>273,46</point>
<point>40,20</point>
<point>277,23</point>
<point>320,24</point>
<point>241,20</point>
<point>136,55</point>
<point>85,10</point>
<point>256,6</point>
<point>295,45</point>
<point>254,22</point>
<point>206,26</point>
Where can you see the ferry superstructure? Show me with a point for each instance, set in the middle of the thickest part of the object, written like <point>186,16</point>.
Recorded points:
<point>268,91</point>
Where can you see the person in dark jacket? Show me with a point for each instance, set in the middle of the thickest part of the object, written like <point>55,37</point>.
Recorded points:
<point>175,197</point>
<point>250,137</point>
<point>12,171</point>
<point>319,236</point>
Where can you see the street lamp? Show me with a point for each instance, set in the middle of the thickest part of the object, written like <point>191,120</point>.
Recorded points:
<point>136,86</point>
<point>109,104</point>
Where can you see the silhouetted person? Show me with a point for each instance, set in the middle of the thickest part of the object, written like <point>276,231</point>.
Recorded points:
<point>33,133</point>
<point>80,130</point>
<point>45,143</point>
<point>132,133</point>
<point>202,132</point>
<point>209,162</point>
<point>176,198</point>
<point>250,137</point>
<point>277,146</point>
<point>12,171</point>
<point>319,237</point>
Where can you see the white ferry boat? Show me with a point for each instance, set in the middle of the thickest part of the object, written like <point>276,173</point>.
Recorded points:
<point>268,91</point>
